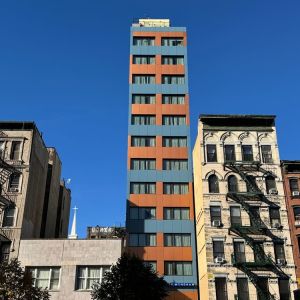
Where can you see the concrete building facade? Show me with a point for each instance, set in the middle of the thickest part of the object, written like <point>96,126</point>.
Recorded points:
<point>160,210</point>
<point>68,268</point>
<point>243,240</point>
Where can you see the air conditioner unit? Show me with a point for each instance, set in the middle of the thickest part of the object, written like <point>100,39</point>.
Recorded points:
<point>295,193</point>
<point>216,223</point>
<point>281,261</point>
<point>13,189</point>
<point>219,260</point>
<point>273,192</point>
<point>278,225</point>
<point>297,222</point>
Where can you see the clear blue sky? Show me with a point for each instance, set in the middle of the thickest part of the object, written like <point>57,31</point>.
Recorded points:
<point>64,64</point>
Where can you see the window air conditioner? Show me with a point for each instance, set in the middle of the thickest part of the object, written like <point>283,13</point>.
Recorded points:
<point>219,260</point>
<point>295,193</point>
<point>273,192</point>
<point>278,225</point>
<point>281,261</point>
<point>14,189</point>
<point>216,223</point>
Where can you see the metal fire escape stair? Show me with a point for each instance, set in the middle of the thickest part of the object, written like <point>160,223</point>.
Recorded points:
<point>256,233</point>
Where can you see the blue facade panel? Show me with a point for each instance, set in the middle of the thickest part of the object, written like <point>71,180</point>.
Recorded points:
<point>158,130</point>
<point>157,50</point>
<point>157,29</point>
<point>159,176</point>
<point>158,88</point>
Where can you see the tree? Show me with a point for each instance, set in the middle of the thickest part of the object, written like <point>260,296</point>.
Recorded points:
<point>16,283</point>
<point>130,279</point>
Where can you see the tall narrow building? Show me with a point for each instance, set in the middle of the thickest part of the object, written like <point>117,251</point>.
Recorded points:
<point>160,212</point>
<point>244,245</point>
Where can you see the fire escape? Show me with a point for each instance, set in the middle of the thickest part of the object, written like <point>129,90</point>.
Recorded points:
<point>255,234</point>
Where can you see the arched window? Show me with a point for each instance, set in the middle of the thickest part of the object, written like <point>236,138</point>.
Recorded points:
<point>232,184</point>
<point>213,184</point>
<point>271,185</point>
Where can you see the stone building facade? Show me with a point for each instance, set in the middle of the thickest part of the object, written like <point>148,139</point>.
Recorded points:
<point>243,240</point>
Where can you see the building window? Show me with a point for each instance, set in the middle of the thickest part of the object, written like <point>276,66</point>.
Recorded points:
<point>172,41</point>
<point>215,215</point>
<point>177,240</point>
<point>294,187</point>
<point>46,277</point>
<point>142,188</point>
<point>2,149</point>
<point>143,79</point>
<point>213,184</point>
<point>143,120</point>
<point>247,153</point>
<point>142,213</point>
<point>297,215</point>
<point>229,153</point>
<point>172,60</point>
<point>239,251</point>
<point>173,99</point>
<point>274,217</point>
<point>174,141</point>
<point>218,250</point>
<point>175,164</point>
<point>271,185</point>
<point>176,188</point>
<point>263,285</point>
<point>178,268</point>
<point>87,276</point>
<point>143,141</point>
<point>151,264</point>
<point>174,120</point>
<point>279,253</point>
<point>14,183</point>
<point>242,288</point>
<point>232,184</point>
<point>143,99</point>
<point>284,289</point>
<point>266,154</point>
<point>221,288</point>
<point>142,164</point>
<point>176,213</point>
<point>211,153</point>
<point>144,59</point>
<point>235,216</point>
<point>251,184</point>
<point>143,41</point>
<point>142,239</point>
<point>4,251</point>
<point>15,150</point>
<point>298,240</point>
<point>172,79</point>
<point>9,217</point>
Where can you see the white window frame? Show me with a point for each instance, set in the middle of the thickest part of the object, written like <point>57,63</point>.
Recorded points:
<point>35,269</point>
<point>86,277</point>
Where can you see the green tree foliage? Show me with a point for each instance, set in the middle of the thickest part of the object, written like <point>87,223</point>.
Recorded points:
<point>16,283</point>
<point>130,279</point>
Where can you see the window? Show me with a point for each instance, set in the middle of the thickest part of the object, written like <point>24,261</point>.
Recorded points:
<point>251,184</point>
<point>15,150</point>
<point>294,187</point>
<point>235,216</point>
<point>174,141</point>
<point>177,240</point>
<point>144,59</point>
<point>176,213</point>
<point>151,264</point>
<point>45,277</point>
<point>211,153</point>
<point>274,216</point>
<point>266,154</point>
<point>143,141</point>
<point>263,285</point>
<point>4,251</point>
<point>178,268</point>
<point>87,276</point>
<point>239,251</point>
<point>297,215</point>
<point>279,252</point>
<point>176,188</point>
<point>298,239</point>
<point>174,120</point>
<point>172,60</point>
<point>142,213</point>
<point>143,99</point>
<point>143,41</point>
<point>142,188</point>
<point>213,184</point>
<point>229,153</point>
<point>175,164</point>
<point>173,99</point>
<point>284,289</point>
<point>271,185</point>
<point>2,149</point>
<point>143,79</point>
<point>142,164</point>
<point>242,288</point>
<point>9,216</point>
<point>14,182</point>
<point>142,120</point>
<point>215,214</point>
<point>172,79</point>
<point>221,288</point>
<point>172,41</point>
<point>232,184</point>
<point>142,239</point>
<point>247,153</point>
<point>254,214</point>
<point>218,249</point>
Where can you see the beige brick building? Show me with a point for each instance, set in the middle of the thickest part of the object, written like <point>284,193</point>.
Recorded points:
<point>243,240</point>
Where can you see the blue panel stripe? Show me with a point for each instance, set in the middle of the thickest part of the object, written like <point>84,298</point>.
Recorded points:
<point>157,50</point>
<point>158,88</point>
<point>159,176</point>
<point>158,130</point>
<point>157,29</point>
